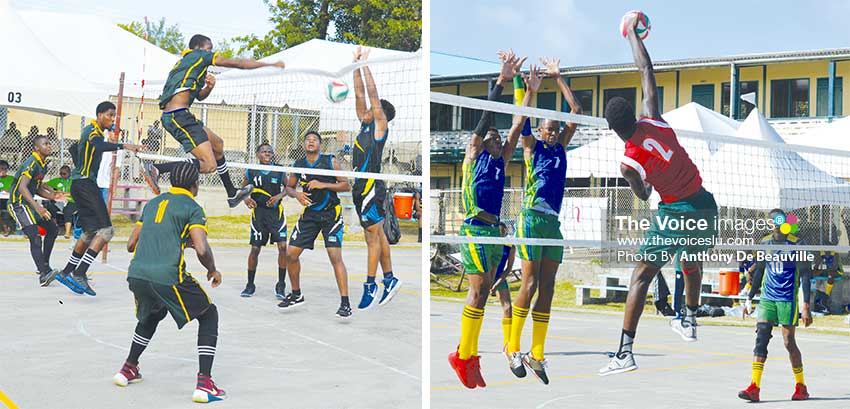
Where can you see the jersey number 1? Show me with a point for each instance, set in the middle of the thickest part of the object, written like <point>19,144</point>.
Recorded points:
<point>160,211</point>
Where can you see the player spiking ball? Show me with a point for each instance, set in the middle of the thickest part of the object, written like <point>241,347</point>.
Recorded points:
<point>654,158</point>
<point>186,82</point>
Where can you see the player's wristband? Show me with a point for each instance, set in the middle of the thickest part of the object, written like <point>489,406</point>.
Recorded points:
<point>518,82</point>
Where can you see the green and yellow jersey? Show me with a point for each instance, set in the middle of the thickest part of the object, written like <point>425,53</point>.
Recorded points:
<point>90,151</point>
<point>166,222</point>
<point>189,74</point>
<point>33,167</point>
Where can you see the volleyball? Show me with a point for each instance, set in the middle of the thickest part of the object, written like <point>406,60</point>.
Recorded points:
<point>337,91</point>
<point>643,24</point>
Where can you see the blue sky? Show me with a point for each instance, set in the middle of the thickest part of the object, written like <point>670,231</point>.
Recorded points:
<point>585,32</point>
<point>215,18</point>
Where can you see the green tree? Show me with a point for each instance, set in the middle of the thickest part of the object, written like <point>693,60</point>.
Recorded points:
<point>395,24</point>
<point>169,38</point>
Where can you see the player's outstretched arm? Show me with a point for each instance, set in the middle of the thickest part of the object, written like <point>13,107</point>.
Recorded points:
<point>647,73</point>
<point>205,254</point>
<point>641,189</point>
<point>378,114</point>
<point>553,70</point>
<point>476,142</point>
<point>363,114</point>
<point>244,63</point>
<point>532,84</point>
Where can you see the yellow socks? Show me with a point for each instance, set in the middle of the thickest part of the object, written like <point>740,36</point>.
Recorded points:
<point>758,368</point>
<point>517,321</point>
<point>538,338</point>
<point>829,289</point>
<point>470,320</point>
<point>798,375</point>
<point>506,329</point>
<point>476,333</point>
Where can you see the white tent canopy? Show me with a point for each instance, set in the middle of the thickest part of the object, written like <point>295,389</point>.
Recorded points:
<point>759,178</point>
<point>99,50</point>
<point>835,135</point>
<point>33,78</point>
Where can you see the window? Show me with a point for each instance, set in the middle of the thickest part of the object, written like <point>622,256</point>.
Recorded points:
<point>504,121</point>
<point>789,98</point>
<point>585,98</point>
<point>744,107</point>
<point>546,100</point>
<point>660,99</point>
<point>628,93</point>
<point>469,117</point>
<point>441,117</point>
<point>441,182</point>
<point>703,94</point>
<point>823,97</point>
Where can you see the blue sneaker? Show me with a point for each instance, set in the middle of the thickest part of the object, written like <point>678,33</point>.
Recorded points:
<point>67,281</point>
<point>82,283</point>
<point>248,291</point>
<point>370,295</point>
<point>391,287</point>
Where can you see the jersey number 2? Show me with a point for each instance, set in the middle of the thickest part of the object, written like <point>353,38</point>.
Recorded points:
<point>653,145</point>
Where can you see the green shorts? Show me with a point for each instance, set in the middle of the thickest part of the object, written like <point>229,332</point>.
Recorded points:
<point>185,128</point>
<point>663,244</point>
<point>479,258</point>
<point>779,312</point>
<point>534,224</point>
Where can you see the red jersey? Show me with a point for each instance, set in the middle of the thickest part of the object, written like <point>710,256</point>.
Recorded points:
<point>654,152</point>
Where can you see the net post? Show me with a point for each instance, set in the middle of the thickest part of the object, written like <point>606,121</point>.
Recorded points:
<point>113,175</point>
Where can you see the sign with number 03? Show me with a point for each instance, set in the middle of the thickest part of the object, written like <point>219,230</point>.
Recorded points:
<point>13,97</point>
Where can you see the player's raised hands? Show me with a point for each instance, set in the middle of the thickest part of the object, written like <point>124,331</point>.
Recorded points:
<point>553,69</point>
<point>511,64</point>
<point>533,79</point>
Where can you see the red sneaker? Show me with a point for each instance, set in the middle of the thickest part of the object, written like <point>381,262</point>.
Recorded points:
<point>464,370</point>
<point>800,392</point>
<point>751,393</point>
<point>128,374</point>
<point>206,391</point>
<point>476,366</point>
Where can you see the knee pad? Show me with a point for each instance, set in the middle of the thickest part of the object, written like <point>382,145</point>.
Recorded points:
<point>208,322</point>
<point>106,233</point>
<point>763,336</point>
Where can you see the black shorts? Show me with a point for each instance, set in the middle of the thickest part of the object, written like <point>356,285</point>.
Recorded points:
<point>91,209</point>
<point>369,201</point>
<point>311,222</point>
<point>185,128</point>
<point>25,216</point>
<point>184,301</point>
<point>267,226</point>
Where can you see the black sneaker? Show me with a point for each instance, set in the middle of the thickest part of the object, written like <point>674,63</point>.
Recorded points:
<point>83,283</point>
<point>291,301</point>
<point>68,281</point>
<point>45,279</point>
<point>240,195</point>
<point>344,311</point>
<point>151,176</point>
<point>249,290</point>
<point>280,290</point>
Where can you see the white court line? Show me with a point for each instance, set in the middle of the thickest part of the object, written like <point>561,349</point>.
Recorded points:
<point>311,339</point>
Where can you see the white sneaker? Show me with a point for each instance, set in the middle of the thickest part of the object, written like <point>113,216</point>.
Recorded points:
<point>619,365</point>
<point>847,320</point>
<point>687,331</point>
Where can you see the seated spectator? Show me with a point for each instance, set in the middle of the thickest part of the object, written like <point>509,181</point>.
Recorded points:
<point>7,225</point>
<point>62,211</point>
